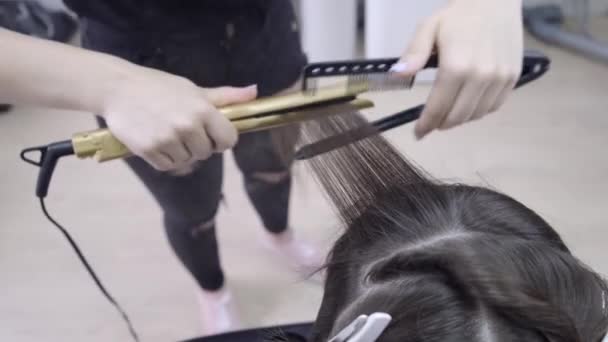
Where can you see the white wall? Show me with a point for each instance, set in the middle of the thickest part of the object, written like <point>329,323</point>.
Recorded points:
<point>390,24</point>
<point>329,26</point>
<point>328,29</point>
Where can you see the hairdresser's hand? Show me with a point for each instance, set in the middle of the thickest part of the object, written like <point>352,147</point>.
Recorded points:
<point>480,48</point>
<point>169,121</point>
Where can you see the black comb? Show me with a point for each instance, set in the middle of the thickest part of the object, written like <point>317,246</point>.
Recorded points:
<point>535,66</point>
<point>374,72</point>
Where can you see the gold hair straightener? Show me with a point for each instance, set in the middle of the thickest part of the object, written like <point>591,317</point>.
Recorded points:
<point>311,102</point>
<point>261,114</point>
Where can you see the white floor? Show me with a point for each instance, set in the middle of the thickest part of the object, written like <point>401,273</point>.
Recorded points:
<point>547,148</point>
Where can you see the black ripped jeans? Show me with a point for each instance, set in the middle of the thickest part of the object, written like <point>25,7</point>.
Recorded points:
<point>238,48</point>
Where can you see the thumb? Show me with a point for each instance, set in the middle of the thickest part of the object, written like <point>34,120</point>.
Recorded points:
<point>419,50</point>
<point>223,96</point>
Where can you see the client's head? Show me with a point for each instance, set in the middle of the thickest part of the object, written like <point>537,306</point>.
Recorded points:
<point>447,262</point>
<point>469,264</point>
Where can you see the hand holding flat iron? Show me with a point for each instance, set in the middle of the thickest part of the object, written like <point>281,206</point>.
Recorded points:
<point>169,121</point>
<point>165,119</point>
<point>480,48</point>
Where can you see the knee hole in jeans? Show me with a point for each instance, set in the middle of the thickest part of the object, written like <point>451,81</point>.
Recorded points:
<point>202,228</point>
<point>271,177</point>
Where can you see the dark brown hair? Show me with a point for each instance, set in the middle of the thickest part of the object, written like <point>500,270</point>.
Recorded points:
<point>448,262</point>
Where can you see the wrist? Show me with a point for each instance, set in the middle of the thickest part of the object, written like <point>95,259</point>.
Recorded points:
<point>114,74</point>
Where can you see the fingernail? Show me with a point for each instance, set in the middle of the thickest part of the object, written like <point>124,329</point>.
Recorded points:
<point>399,67</point>
<point>253,86</point>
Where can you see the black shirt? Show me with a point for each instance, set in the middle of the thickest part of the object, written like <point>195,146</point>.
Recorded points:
<point>211,42</point>
<point>149,14</point>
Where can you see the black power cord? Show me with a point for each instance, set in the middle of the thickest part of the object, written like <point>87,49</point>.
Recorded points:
<point>49,155</point>
<point>91,271</point>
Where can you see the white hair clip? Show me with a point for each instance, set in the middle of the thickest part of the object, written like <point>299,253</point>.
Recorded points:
<point>364,328</point>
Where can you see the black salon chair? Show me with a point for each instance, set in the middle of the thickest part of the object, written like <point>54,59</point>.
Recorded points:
<point>294,332</point>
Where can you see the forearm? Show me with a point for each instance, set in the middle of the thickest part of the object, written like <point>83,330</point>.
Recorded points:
<point>44,73</point>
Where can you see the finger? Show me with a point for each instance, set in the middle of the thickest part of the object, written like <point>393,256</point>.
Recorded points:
<point>177,151</point>
<point>157,160</point>
<point>150,153</point>
<point>442,99</point>
<point>221,132</point>
<point>504,95</point>
<point>488,101</point>
<point>224,96</point>
<point>467,100</point>
<point>496,95</point>
<point>183,170</point>
<point>198,143</point>
<point>419,49</point>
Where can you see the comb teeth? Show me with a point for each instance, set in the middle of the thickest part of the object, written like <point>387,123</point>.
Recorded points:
<point>364,82</point>
<point>379,82</point>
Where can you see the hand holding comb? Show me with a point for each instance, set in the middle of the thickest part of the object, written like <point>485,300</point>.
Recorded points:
<point>535,65</point>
